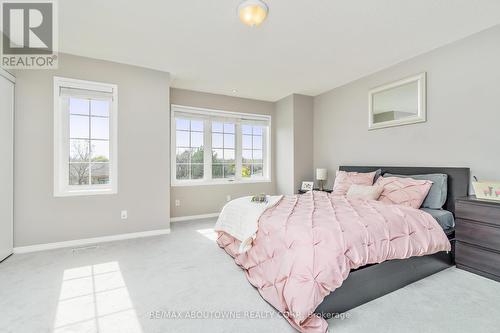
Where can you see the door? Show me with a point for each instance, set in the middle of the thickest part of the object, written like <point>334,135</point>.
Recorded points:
<point>6,163</point>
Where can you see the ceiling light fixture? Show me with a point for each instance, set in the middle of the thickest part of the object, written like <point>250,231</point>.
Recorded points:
<point>252,12</point>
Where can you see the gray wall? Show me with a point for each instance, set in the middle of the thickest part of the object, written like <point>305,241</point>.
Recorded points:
<point>207,199</point>
<point>143,156</point>
<point>294,139</point>
<point>463,105</point>
<point>284,143</point>
<point>303,140</point>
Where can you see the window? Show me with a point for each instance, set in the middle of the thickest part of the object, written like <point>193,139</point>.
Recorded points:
<point>218,147</point>
<point>85,132</point>
<point>189,144</point>
<point>223,150</point>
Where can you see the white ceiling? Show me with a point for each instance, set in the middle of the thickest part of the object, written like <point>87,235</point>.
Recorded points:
<point>305,47</point>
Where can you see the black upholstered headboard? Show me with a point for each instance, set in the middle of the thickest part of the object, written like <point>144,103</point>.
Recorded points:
<point>458,178</point>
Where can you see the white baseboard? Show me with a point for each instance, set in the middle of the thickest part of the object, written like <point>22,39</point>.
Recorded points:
<point>87,241</point>
<point>193,217</point>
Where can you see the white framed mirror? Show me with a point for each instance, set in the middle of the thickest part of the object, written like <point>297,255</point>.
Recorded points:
<point>398,103</point>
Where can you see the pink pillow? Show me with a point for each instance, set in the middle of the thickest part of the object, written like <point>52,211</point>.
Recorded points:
<point>403,191</point>
<point>344,180</point>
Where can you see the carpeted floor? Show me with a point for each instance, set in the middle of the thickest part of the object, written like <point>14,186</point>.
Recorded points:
<point>184,282</point>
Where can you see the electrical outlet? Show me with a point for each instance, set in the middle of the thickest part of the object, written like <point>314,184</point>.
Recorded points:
<point>124,215</point>
<point>228,198</point>
<point>177,203</point>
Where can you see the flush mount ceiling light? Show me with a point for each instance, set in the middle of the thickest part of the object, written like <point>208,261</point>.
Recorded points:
<point>252,12</point>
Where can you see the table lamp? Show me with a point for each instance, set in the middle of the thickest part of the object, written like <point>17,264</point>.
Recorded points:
<point>321,176</point>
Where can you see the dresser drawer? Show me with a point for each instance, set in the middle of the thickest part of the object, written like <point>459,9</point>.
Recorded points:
<point>478,212</point>
<point>478,234</point>
<point>477,258</point>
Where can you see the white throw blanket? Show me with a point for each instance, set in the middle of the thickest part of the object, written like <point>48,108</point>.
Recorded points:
<point>239,218</point>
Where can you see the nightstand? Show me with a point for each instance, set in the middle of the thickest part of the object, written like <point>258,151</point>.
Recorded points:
<point>477,233</point>
<point>316,189</point>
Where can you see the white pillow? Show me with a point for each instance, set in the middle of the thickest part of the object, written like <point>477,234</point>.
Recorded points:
<point>364,192</point>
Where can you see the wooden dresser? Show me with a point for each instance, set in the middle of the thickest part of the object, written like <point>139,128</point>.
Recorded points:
<point>477,233</point>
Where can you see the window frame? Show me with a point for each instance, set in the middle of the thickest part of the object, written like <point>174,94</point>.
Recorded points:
<point>62,140</point>
<point>209,116</point>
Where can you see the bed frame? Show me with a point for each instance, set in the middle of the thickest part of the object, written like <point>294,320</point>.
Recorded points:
<point>372,281</point>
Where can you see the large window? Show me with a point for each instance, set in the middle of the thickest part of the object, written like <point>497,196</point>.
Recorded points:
<point>85,116</point>
<point>217,147</point>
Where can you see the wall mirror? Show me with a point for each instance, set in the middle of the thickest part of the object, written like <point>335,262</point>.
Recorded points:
<point>398,103</point>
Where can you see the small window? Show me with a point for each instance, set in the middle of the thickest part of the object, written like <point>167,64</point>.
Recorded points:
<point>218,147</point>
<point>85,132</point>
<point>223,150</point>
<point>189,147</point>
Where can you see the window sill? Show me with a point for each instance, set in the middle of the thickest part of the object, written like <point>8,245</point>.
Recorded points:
<point>78,193</point>
<point>218,182</point>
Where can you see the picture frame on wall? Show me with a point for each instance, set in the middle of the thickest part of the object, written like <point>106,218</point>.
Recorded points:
<point>307,186</point>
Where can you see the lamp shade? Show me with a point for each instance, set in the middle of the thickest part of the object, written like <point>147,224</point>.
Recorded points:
<point>321,174</point>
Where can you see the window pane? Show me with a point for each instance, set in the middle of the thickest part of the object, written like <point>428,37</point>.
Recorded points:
<point>217,140</point>
<point>196,139</point>
<point>78,173</point>
<point>99,151</point>
<point>99,108</point>
<point>182,139</point>
<point>182,171</point>
<point>228,155</point>
<point>257,156</point>
<point>79,127</point>
<point>247,142</point>
<point>217,155</point>
<point>217,127</point>
<point>182,124</point>
<point>79,106</point>
<point>197,125</point>
<point>100,173</point>
<point>229,140</point>
<point>257,170</point>
<point>228,128</point>
<point>246,129</point>
<point>257,142</point>
<point>78,150</point>
<point>197,155</point>
<point>229,170</point>
<point>182,155</point>
<point>258,130</point>
<point>217,171</point>
<point>247,155</point>
<point>100,128</point>
<point>246,170</point>
<point>196,171</point>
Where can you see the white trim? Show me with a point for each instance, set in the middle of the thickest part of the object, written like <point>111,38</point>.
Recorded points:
<point>219,113</point>
<point>201,182</point>
<point>61,188</point>
<point>422,110</point>
<point>7,75</point>
<point>87,241</point>
<point>193,217</point>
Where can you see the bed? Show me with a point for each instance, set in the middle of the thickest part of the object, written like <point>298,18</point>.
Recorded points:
<point>372,281</point>
<point>316,254</point>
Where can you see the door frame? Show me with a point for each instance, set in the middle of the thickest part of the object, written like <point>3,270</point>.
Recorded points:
<point>12,79</point>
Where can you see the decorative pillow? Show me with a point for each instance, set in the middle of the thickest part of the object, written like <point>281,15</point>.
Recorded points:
<point>403,191</point>
<point>364,192</point>
<point>344,180</point>
<point>438,192</point>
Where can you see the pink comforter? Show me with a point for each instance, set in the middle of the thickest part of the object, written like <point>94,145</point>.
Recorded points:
<point>307,244</point>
